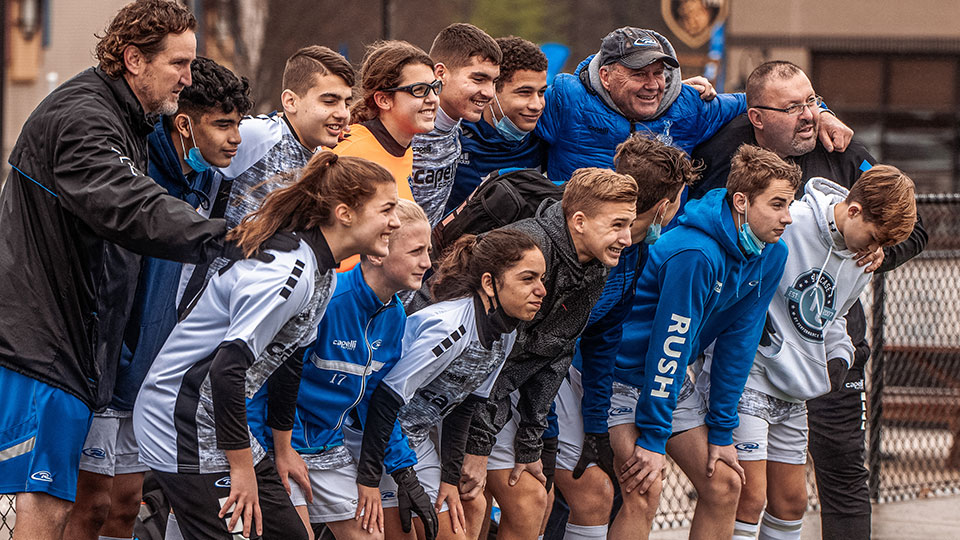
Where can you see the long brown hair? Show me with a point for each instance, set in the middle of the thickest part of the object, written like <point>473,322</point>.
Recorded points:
<point>326,181</point>
<point>382,68</point>
<point>471,256</point>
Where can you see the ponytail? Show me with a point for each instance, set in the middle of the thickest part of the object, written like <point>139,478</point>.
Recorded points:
<point>326,181</point>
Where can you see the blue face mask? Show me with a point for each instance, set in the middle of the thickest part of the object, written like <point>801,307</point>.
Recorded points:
<point>751,244</point>
<point>653,231</point>
<point>506,127</point>
<point>193,157</point>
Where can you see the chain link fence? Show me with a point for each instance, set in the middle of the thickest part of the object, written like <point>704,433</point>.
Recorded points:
<point>914,383</point>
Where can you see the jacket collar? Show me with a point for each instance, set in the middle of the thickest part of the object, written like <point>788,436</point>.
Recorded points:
<point>366,299</point>
<point>164,156</point>
<point>321,250</point>
<point>128,102</point>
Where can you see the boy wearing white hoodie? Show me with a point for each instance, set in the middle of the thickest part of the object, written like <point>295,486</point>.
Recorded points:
<point>805,350</point>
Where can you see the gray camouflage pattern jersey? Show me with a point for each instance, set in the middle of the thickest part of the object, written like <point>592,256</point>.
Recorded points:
<point>458,380</point>
<point>435,156</point>
<point>286,342</point>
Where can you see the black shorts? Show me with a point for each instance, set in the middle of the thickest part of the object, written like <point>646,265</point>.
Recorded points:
<point>195,499</point>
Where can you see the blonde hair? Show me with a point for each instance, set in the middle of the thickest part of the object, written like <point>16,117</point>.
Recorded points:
<point>888,200</point>
<point>591,187</point>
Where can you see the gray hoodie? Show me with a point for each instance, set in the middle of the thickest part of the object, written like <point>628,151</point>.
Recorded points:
<point>820,282</point>
<point>544,348</point>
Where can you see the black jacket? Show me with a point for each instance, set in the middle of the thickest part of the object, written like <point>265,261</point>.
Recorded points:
<point>843,168</point>
<point>76,213</point>
<point>544,348</point>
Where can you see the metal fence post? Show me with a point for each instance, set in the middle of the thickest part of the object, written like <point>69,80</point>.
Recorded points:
<point>876,385</point>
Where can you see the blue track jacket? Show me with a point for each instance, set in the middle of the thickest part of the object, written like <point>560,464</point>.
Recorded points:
<point>154,312</point>
<point>583,131</point>
<point>358,342</point>
<point>697,287</point>
<point>598,345</point>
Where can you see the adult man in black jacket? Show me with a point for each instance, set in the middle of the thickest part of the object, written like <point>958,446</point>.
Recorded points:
<point>782,116</point>
<point>77,212</point>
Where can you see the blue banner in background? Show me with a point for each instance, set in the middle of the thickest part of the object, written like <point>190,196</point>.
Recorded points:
<point>714,68</point>
<point>557,54</point>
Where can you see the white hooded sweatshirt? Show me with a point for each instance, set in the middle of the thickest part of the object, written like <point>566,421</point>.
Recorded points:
<point>820,282</point>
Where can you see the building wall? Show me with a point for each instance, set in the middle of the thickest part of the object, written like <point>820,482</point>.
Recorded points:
<point>70,50</point>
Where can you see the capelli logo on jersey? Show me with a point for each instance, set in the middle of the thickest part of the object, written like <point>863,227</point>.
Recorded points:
<point>95,453</point>
<point>376,344</point>
<point>42,476</point>
<point>854,385</point>
<point>344,344</point>
<point>223,482</point>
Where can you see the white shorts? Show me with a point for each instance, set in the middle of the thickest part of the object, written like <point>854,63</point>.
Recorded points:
<point>691,408</point>
<point>502,455</point>
<point>770,429</point>
<point>110,448</point>
<point>428,472</point>
<point>334,494</point>
<point>570,418</point>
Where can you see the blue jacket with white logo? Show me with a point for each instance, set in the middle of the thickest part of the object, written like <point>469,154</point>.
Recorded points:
<point>696,288</point>
<point>154,312</point>
<point>358,342</point>
<point>597,348</point>
<point>484,150</point>
<point>583,131</point>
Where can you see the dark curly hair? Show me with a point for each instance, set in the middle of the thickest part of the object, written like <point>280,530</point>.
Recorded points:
<point>215,86</point>
<point>659,169</point>
<point>518,54</point>
<point>144,24</point>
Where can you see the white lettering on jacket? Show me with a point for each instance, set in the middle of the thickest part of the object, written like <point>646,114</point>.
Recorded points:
<point>668,368</point>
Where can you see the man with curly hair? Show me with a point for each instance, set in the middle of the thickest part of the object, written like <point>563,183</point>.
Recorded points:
<point>78,211</point>
<point>183,149</point>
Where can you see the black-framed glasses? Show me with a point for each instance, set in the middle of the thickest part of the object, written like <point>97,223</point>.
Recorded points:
<point>418,90</point>
<point>797,108</point>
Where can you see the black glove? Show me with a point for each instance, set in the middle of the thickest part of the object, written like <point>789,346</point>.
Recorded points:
<point>411,496</point>
<point>596,449</point>
<point>837,371</point>
<point>767,332</point>
<point>280,241</point>
<point>548,458</point>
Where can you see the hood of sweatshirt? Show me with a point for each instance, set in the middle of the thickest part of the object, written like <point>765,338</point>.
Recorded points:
<point>710,215</point>
<point>550,217</point>
<point>822,195</point>
<point>589,74</point>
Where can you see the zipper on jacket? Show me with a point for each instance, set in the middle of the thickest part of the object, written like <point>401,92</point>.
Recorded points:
<point>366,369</point>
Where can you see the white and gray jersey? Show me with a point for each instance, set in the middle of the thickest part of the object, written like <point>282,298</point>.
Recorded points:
<point>435,157</point>
<point>267,310</point>
<point>442,363</point>
<point>269,148</point>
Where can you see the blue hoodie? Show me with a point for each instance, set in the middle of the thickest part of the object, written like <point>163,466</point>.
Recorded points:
<point>697,287</point>
<point>154,312</point>
<point>358,342</point>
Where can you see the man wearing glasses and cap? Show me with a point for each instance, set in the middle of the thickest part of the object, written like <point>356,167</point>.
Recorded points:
<point>633,84</point>
<point>782,116</point>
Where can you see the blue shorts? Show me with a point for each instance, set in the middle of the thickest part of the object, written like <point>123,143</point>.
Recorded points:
<point>42,430</point>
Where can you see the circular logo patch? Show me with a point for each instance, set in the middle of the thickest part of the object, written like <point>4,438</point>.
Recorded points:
<point>811,303</point>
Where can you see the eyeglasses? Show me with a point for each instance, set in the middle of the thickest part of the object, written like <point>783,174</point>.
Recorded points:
<point>418,90</point>
<point>797,108</point>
